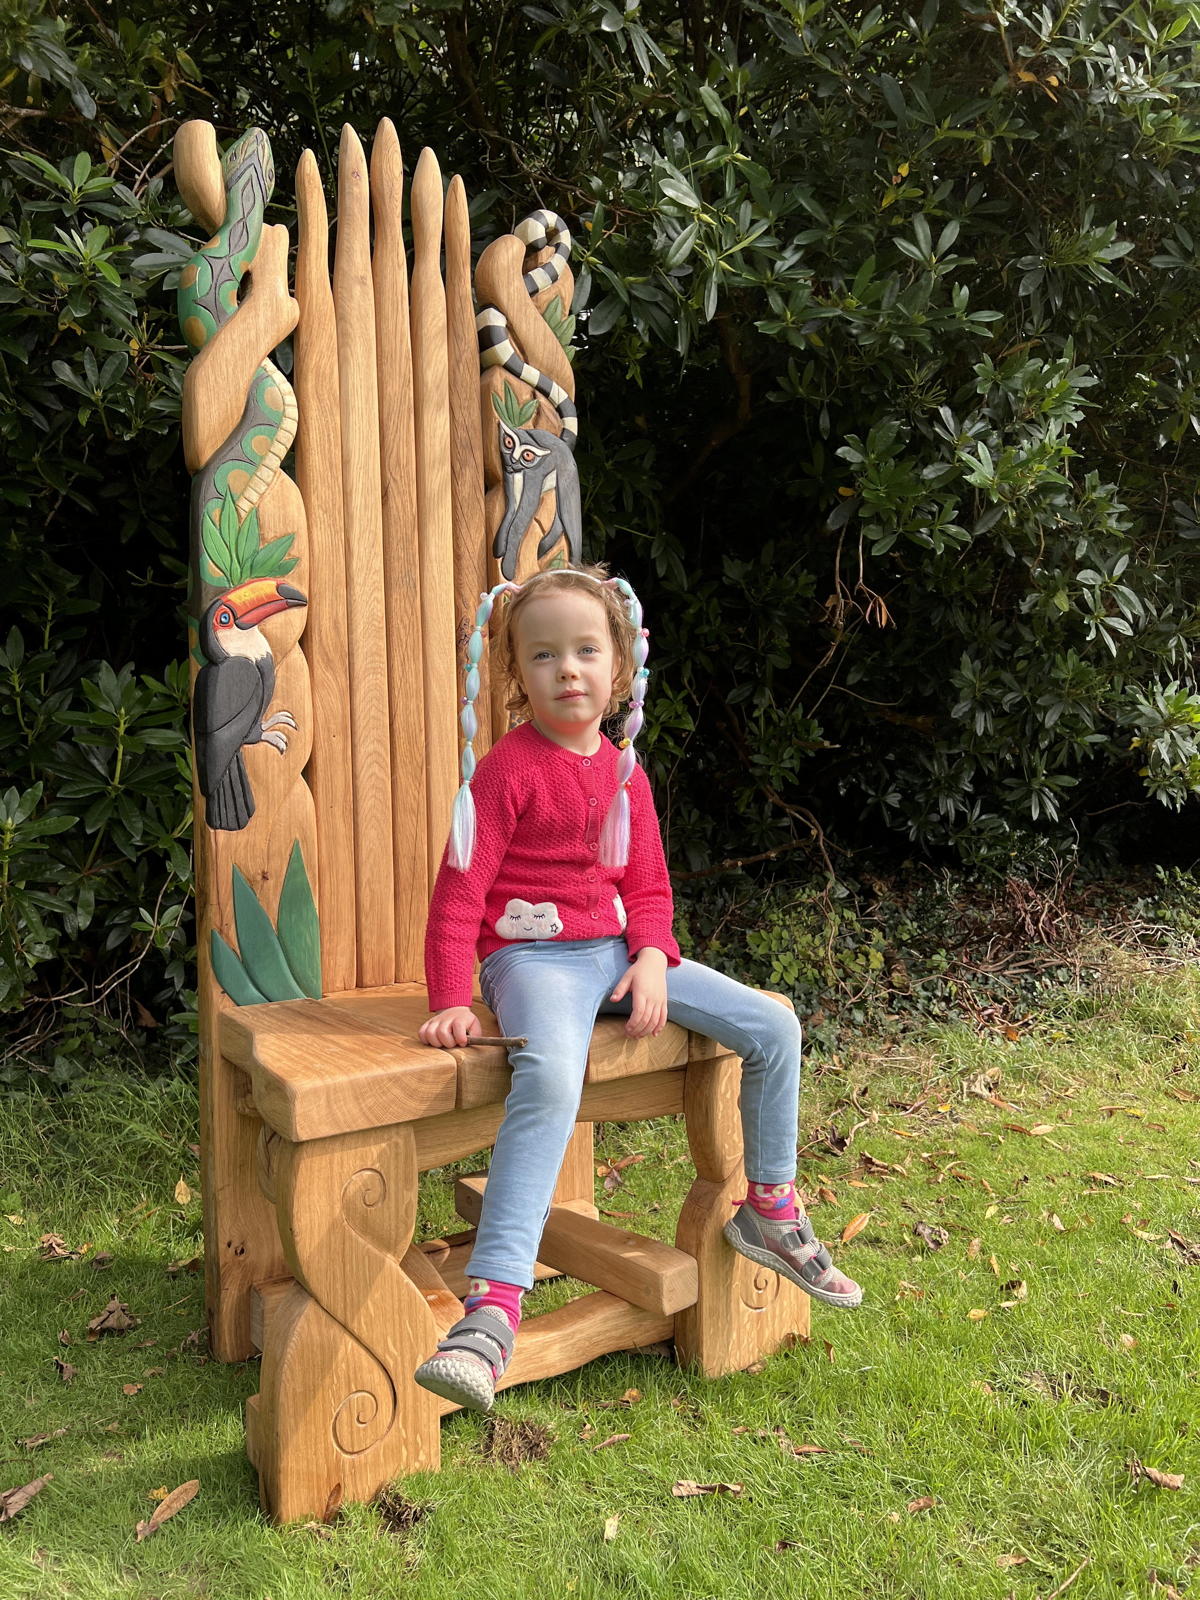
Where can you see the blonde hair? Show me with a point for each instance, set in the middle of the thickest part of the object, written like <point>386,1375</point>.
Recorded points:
<point>564,580</point>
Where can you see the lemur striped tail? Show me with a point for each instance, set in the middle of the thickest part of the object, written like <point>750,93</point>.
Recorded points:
<point>540,229</point>
<point>496,349</point>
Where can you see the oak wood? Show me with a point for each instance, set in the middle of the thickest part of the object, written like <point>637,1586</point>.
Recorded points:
<point>326,647</point>
<point>466,443</point>
<point>401,554</point>
<point>318,1071</point>
<point>643,1271</point>
<point>365,612</point>
<point>434,506</point>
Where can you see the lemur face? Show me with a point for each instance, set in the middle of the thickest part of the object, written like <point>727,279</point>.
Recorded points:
<point>520,453</point>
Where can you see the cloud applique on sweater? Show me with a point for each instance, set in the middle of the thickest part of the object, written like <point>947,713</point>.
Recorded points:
<point>522,920</point>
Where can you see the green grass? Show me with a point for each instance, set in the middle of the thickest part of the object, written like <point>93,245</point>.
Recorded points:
<point>1019,1425</point>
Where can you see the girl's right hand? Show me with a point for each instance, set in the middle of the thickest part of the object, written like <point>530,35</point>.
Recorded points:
<point>450,1028</point>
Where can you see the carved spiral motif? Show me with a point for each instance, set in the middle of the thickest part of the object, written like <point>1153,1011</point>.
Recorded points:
<point>366,1188</point>
<point>352,1431</point>
<point>757,1286</point>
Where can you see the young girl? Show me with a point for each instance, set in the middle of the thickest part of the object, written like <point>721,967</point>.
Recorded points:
<point>555,876</point>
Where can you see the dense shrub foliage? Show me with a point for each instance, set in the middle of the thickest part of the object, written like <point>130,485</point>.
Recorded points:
<point>888,363</point>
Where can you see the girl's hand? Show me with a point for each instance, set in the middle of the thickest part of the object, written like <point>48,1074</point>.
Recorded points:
<point>646,977</point>
<point>451,1027</point>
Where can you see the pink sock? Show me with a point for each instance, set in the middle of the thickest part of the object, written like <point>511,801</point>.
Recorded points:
<point>491,1292</point>
<point>777,1200</point>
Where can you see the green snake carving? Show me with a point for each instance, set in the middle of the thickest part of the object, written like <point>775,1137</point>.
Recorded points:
<point>236,580</point>
<point>244,465</point>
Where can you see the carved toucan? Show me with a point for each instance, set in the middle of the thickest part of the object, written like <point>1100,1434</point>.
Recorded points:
<point>232,692</point>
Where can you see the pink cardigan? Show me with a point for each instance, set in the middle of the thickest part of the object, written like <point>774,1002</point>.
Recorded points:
<point>535,874</point>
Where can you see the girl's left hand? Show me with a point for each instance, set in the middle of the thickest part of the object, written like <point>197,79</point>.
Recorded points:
<point>646,977</point>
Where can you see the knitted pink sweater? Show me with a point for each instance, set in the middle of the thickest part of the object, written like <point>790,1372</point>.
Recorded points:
<point>535,873</point>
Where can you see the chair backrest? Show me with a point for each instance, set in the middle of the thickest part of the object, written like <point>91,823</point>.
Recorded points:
<point>330,608</point>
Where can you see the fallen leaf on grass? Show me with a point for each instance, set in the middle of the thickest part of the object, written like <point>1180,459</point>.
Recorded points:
<point>53,1247</point>
<point>1057,1223</point>
<point>1189,1251</point>
<point>192,1264</point>
<point>1039,1128</point>
<point>37,1439</point>
<point>686,1487</point>
<point>175,1501</point>
<point>973,1249</point>
<point>131,1388</point>
<point>64,1369</point>
<point>926,1502</point>
<point>934,1237</point>
<point>976,1315</point>
<point>158,1494</point>
<point>1128,1341</point>
<point>1161,1480</point>
<point>102,1259</point>
<point>114,1318</point>
<point>610,1527</point>
<point>828,1349</point>
<point>14,1500</point>
<point>855,1226</point>
<point>1106,1177</point>
<point>613,1438</point>
<point>1011,1561</point>
<point>909,1291</point>
<point>182,1193</point>
<point>827,1195</point>
<point>808,1449</point>
<point>1169,1589</point>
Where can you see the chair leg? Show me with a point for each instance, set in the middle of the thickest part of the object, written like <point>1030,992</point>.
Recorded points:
<point>744,1311</point>
<point>338,1415</point>
<point>577,1175</point>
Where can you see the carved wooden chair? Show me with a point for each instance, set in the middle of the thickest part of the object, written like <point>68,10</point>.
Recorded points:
<point>328,612</point>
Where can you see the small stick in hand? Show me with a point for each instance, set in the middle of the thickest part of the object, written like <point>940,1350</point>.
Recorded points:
<point>489,1038</point>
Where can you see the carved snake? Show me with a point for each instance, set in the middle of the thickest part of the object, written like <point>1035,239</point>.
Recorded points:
<point>249,458</point>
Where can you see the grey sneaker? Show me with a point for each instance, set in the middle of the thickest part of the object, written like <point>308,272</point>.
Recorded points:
<point>792,1249</point>
<point>467,1362</point>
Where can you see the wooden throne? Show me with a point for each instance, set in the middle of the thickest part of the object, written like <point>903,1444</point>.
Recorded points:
<point>330,602</point>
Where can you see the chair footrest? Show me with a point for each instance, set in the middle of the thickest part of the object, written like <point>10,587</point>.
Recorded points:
<point>652,1276</point>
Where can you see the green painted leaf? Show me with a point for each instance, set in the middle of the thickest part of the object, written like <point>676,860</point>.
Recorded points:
<point>511,410</point>
<point>298,926</point>
<point>216,552</point>
<point>271,560</point>
<point>231,975</point>
<point>259,946</point>
<point>247,544</point>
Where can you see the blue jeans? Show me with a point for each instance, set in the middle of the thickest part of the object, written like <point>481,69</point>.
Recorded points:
<point>551,994</point>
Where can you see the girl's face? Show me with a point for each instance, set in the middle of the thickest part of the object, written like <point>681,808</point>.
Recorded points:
<point>565,658</point>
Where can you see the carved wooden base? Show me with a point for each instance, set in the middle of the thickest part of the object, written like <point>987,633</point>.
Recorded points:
<point>743,1311</point>
<point>338,1415</point>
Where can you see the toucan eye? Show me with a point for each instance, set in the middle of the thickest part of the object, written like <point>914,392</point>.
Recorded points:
<point>528,456</point>
<point>224,618</point>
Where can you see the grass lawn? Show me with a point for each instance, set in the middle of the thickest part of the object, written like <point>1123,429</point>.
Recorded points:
<point>979,1423</point>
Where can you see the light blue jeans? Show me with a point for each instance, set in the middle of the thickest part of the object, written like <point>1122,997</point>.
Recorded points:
<point>551,993</point>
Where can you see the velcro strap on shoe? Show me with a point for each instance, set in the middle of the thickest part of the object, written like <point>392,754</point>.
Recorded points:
<point>481,1334</point>
<point>806,1253</point>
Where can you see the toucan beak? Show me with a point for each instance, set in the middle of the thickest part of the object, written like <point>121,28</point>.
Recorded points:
<point>260,598</point>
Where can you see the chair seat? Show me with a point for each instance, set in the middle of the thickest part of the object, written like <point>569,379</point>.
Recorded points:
<point>354,1060</point>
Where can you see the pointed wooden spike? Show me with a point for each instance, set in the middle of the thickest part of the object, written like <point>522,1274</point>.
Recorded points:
<point>434,497</point>
<point>466,444</point>
<point>319,475</point>
<point>401,559</point>
<point>365,609</point>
